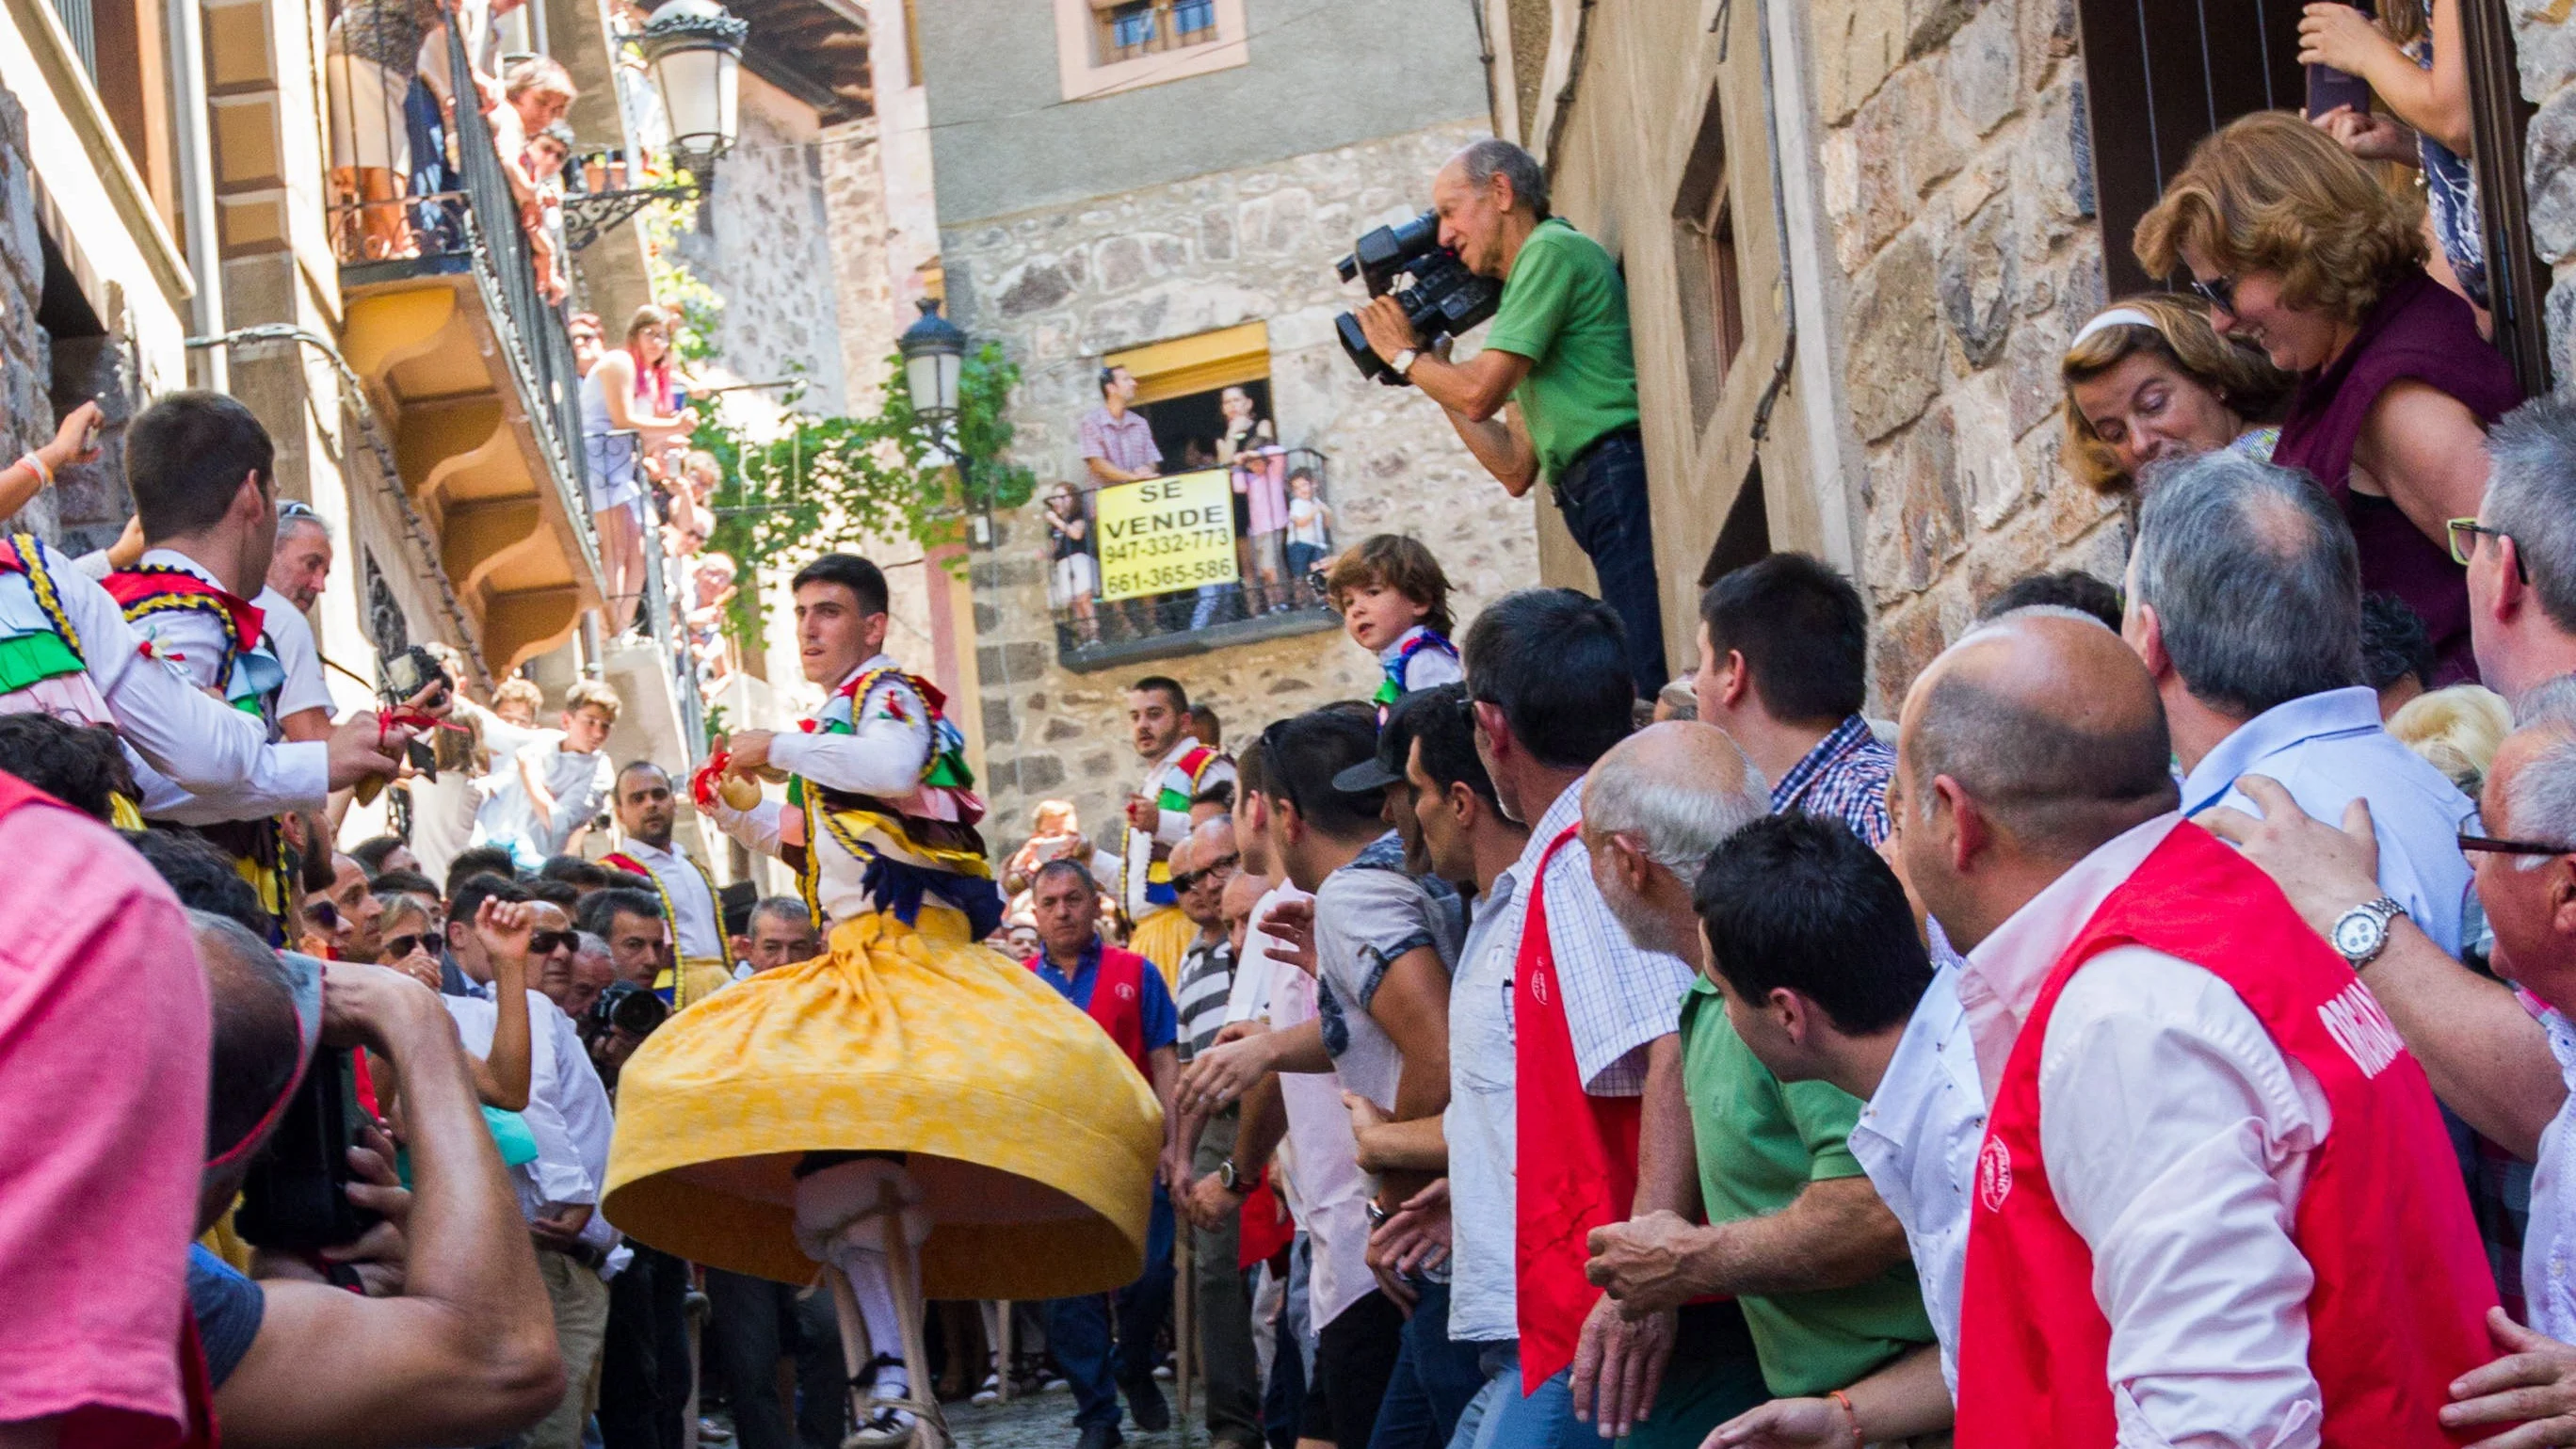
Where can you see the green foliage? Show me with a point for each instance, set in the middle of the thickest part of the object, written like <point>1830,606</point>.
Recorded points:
<point>879,475</point>
<point>675,287</point>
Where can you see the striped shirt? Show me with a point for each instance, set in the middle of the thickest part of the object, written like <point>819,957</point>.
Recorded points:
<point>1125,442</point>
<point>1844,777</point>
<point>1207,979</point>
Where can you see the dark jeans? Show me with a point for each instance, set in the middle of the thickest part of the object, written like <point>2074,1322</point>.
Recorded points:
<point>756,1321</point>
<point>1713,1377</point>
<point>1354,1360</point>
<point>1225,1310</point>
<point>1078,1330</point>
<point>1603,498</point>
<point>644,1370</point>
<point>1434,1377</point>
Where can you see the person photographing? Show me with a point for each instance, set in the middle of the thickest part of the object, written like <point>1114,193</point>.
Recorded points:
<point>1559,353</point>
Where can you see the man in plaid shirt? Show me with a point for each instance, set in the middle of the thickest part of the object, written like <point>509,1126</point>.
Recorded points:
<point>1783,665</point>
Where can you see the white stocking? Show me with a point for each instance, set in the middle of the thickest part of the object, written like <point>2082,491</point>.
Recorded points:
<point>843,1214</point>
<point>874,1287</point>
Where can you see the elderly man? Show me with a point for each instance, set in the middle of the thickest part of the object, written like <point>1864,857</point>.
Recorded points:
<point>2468,1028</point>
<point>1559,352</point>
<point>2202,1212</point>
<point>1795,1233</point>
<point>2521,550</point>
<point>297,570</point>
<point>2244,600</point>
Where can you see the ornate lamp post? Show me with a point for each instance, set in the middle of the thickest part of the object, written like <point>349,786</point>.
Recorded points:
<point>934,362</point>
<point>694,50</point>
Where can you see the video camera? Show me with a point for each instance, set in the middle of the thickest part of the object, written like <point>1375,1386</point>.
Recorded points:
<point>1444,300</point>
<point>405,675</point>
<point>627,1007</point>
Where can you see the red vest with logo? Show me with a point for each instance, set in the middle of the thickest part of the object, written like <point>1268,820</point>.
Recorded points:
<point>2402,1286</point>
<point>1118,1000</point>
<point>1578,1153</point>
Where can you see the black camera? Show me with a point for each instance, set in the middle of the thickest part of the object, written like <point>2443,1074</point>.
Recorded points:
<point>296,1197</point>
<point>406,674</point>
<point>625,1007</point>
<point>1444,300</point>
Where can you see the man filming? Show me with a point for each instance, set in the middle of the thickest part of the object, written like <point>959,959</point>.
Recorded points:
<point>1559,351</point>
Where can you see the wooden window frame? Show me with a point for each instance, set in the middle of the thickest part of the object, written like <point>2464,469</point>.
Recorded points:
<point>1085,75</point>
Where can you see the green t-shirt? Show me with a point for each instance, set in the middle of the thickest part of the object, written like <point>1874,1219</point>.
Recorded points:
<point>1565,309</point>
<point>1761,1141</point>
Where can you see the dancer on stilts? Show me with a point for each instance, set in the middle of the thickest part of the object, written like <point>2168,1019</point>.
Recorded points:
<point>911,1108</point>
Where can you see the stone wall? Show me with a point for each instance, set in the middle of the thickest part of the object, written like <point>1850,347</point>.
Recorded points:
<point>26,362</point>
<point>2544,39</point>
<point>764,243</point>
<point>1059,288</point>
<point>1958,190</point>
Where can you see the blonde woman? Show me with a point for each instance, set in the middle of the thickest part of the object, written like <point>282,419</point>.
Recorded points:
<point>2147,380</point>
<point>2457,730</point>
<point>2298,250</point>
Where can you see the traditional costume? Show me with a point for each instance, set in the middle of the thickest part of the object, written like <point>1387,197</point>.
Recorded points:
<point>689,903</point>
<point>908,1092</point>
<point>217,642</point>
<point>1140,871</point>
<point>1419,659</point>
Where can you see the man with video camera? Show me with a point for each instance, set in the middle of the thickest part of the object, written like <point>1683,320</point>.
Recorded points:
<point>1559,352</point>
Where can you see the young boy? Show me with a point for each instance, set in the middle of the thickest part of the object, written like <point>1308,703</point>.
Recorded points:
<point>1394,602</point>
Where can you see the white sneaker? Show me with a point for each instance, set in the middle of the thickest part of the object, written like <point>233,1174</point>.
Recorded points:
<point>990,1393</point>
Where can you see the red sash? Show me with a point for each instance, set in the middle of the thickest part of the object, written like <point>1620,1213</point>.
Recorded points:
<point>1578,1153</point>
<point>1263,1229</point>
<point>146,587</point>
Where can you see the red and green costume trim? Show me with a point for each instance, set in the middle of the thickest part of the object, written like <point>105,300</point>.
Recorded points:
<point>41,643</point>
<point>924,844</point>
<point>149,589</point>
<point>1193,766</point>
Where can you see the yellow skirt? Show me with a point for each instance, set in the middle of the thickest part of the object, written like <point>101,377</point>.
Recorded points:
<point>1033,1135</point>
<point>1164,938</point>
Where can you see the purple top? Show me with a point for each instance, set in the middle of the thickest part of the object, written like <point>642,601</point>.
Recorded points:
<point>2420,330</point>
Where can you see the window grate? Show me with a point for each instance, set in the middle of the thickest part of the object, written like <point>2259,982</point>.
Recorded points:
<point>83,29</point>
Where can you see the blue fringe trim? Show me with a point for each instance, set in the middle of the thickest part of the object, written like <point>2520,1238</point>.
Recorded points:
<point>898,888</point>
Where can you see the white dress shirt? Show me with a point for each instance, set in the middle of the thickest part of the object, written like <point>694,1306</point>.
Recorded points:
<point>291,635</point>
<point>1135,854</point>
<point>2328,749</point>
<point>200,745</point>
<point>581,1100</point>
<point>699,931</point>
<point>1256,972</point>
<point>2177,1138</point>
<point>1918,1138</point>
<point>560,1173</point>
<point>1482,1123</point>
<point>883,756</point>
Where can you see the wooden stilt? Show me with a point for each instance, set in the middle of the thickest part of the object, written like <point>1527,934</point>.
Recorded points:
<point>1184,1321</point>
<point>1010,1359</point>
<point>855,1348</point>
<point>931,1431</point>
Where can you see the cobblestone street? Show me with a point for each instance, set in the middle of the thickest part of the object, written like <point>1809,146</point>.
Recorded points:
<point>1045,1421</point>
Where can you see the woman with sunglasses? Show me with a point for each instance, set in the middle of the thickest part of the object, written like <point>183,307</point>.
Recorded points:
<point>2297,250</point>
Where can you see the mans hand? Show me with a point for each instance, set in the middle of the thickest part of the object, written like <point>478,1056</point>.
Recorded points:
<point>1291,928</point>
<point>1238,1030</point>
<point>1143,813</point>
<point>1388,330</point>
<point>2324,871</point>
<point>2368,135</point>
<point>2533,1384</point>
<point>76,441</point>
<point>1417,1237</point>
<point>1210,1203</point>
<point>1786,1424</point>
<point>358,753</point>
<point>380,1254</point>
<point>561,1228</point>
<point>1618,1366</point>
<point>1640,1263</point>
<point>374,1007</point>
<point>504,927</point>
<point>1222,1074</point>
<point>750,750</point>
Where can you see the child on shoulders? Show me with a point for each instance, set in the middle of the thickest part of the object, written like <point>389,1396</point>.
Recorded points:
<point>1394,602</point>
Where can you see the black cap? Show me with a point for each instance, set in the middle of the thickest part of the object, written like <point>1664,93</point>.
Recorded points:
<point>1386,768</point>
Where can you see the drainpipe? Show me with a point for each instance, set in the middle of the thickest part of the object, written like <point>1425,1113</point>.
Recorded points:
<point>186,26</point>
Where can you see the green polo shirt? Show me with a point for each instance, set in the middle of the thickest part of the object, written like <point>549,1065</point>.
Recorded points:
<point>1761,1141</point>
<point>1565,309</point>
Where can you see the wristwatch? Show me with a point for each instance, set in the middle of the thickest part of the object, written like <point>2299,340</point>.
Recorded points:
<point>2362,932</point>
<point>1228,1177</point>
<point>1403,362</point>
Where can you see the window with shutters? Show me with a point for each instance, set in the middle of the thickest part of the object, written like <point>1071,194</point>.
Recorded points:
<point>1108,46</point>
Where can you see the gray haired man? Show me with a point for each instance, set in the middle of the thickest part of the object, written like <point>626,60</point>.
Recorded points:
<point>2521,550</point>
<point>1559,352</point>
<point>2244,601</point>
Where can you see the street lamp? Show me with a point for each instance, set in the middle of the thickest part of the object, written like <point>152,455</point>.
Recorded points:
<point>934,357</point>
<point>695,51</point>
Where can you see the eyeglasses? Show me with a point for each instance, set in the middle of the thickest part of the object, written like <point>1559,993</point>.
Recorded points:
<point>542,943</point>
<point>2219,292</point>
<point>1222,865</point>
<point>401,946</point>
<point>2494,846</point>
<point>2464,533</point>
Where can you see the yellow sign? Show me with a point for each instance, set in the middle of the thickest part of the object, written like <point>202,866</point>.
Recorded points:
<point>1164,535</point>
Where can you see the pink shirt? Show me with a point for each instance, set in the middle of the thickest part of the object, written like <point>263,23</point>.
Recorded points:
<point>103,1068</point>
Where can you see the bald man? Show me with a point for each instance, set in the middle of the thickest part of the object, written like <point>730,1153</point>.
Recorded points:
<point>1795,1233</point>
<point>2202,1212</point>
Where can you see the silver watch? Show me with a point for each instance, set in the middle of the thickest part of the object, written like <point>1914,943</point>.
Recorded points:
<point>2362,932</point>
<point>1403,362</point>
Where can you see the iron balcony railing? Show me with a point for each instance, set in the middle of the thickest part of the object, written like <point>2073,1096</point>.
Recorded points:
<point>1191,561</point>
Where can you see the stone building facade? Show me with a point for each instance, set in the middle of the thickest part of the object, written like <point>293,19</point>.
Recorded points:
<point>2544,37</point>
<point>1061,288</point>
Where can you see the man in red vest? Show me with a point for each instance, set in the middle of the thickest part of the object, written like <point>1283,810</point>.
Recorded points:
<point>1125,993</point>
<point>2213,1204</point>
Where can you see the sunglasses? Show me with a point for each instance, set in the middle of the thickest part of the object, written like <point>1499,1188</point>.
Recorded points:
<point>400,946</point>
<point>2494,846</point>
<point>323,914</point>
<point>2219,292</point>
<point>544,943</point>
<point>1222,865</point>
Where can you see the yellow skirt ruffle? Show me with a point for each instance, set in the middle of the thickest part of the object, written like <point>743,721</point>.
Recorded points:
<point>1164,938</point>
<point>1033,1135</point>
